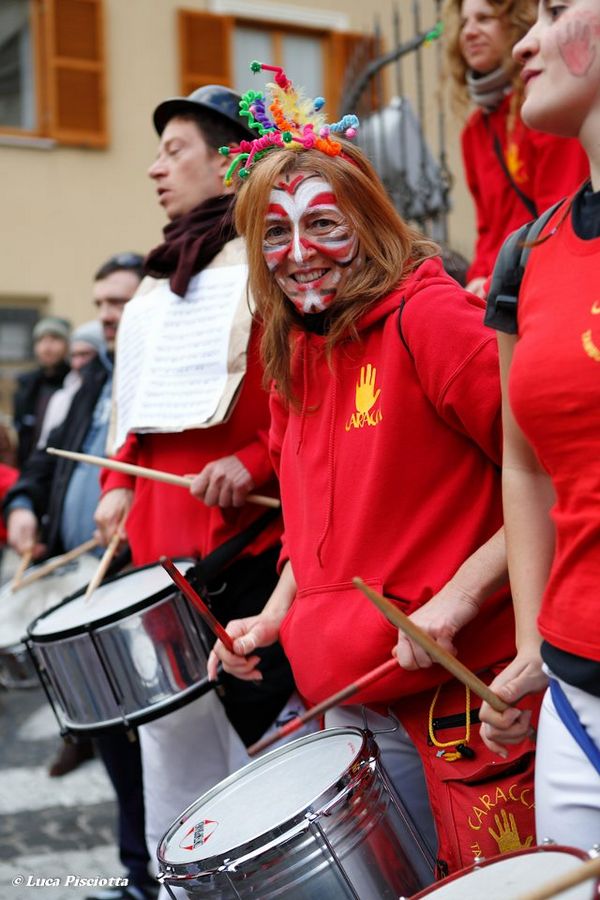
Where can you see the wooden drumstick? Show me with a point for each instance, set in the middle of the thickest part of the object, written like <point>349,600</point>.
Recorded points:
<point>441,656</point>
<point>23,563</point>
<point>105,562</point>
<point>587,870</point>
<point>197,601</point>
<point>314,712</point>
<point>56,563</point>
<point>152,474</point>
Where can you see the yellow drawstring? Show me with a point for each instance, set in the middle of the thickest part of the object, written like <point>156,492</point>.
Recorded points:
<point>455,754</point>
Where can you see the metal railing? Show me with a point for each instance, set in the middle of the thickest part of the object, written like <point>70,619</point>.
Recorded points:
<point>411,161</point>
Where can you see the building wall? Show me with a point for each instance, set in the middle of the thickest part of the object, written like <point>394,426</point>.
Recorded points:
<point>65,209</point>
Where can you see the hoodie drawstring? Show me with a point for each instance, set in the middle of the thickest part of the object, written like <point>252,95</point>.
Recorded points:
<point>330,467</point>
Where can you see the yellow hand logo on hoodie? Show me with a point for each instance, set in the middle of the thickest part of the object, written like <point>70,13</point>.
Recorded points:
<point>366,398</point>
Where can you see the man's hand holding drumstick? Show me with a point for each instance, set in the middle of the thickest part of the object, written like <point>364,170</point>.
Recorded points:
<point>224,482</point>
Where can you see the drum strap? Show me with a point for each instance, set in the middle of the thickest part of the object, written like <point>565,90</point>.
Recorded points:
<point>572,723</point>
<point>209,567</point>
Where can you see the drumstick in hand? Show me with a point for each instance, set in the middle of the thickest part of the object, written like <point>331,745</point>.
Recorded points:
<point>56,563</point>
<point>24,562</point>
<point>587,870</point>
<point>105,562</point>
<point>441,656</point>
<point>153,474</point>
<point>196,600</point>
<point>314,712</point>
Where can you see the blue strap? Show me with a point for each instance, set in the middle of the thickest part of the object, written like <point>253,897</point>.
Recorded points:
<point>570,720</point>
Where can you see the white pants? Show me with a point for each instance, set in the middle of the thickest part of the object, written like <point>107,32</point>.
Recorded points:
<point>185,754</point>
<point>401,762</point>
<point>567,786</point>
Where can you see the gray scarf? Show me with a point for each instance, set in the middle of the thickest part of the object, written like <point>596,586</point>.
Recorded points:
<point>488,91</point>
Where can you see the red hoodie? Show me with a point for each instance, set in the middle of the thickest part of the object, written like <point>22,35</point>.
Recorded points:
<point>399,491</point>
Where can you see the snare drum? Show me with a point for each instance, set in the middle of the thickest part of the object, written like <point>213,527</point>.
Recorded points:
<point>129,655</point>
<point>512,875</point>
<point>19,608</point>
<point>314,819</point>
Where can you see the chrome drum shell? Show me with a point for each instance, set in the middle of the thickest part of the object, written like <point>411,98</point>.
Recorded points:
<point>353,839</point>
<point>130,655</point>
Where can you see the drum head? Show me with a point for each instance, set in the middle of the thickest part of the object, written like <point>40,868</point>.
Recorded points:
<point>109,602</point>
<point>513,875</point>
<point>19,608</point>
<point>264,795</point>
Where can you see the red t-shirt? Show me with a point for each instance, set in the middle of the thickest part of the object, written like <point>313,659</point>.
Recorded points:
<point>555,395</point>
<point>398,483</point>
<point>545,167</point>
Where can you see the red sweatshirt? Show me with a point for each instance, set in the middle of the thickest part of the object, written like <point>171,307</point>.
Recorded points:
<point>545,168</point>
<point>8,476</point>
<point>390,471</point>
<point>166,519</point>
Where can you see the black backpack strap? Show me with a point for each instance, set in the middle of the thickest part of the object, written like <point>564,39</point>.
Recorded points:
<point>527,202</point>
<point>503,295</point>
<point>209,567</point>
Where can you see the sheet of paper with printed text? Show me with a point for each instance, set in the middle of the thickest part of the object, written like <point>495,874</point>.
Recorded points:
<point>174,353</point>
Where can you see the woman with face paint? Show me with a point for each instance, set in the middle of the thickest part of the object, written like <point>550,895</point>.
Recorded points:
<point>513,173</point>
<point>386,438</point>
<point>550,371</point>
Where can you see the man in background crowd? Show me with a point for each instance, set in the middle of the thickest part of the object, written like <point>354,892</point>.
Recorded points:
<point>34,388</point>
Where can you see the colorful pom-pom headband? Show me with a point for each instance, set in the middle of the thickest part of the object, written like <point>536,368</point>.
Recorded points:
<point>290,122</point>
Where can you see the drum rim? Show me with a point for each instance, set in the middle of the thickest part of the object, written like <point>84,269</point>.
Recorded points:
<point>501,857</point>
<point>143,717</point>
<point>86,627</point>
<point>211,865</point>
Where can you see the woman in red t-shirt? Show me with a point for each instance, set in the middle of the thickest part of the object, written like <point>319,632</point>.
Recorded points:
<point>551,478</point>
<point>513,172</point>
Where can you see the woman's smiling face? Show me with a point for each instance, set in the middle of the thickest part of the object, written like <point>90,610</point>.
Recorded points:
<point>309,245</point>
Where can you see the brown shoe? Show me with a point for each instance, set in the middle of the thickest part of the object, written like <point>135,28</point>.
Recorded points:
<point>70,755</point>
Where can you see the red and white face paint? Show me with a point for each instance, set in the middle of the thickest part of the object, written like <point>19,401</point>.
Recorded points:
<point>309,245</point>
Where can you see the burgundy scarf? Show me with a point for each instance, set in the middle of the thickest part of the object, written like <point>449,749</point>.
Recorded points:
<point>191,242</point>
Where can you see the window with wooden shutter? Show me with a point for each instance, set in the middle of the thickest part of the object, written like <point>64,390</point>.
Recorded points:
<point>207,43</point>
<point>76,77</point>
<point>204,49</point>
<point>59,90</point>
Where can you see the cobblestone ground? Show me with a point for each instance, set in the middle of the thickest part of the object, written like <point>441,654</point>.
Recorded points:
<point>50,828</point>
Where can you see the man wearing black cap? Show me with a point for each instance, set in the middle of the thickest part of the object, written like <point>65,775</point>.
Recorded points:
<point>190,750</point>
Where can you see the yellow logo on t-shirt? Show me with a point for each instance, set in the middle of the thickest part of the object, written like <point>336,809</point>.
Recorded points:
<point>592,350</point>
<point>515,164</point>
<point>365,399</point>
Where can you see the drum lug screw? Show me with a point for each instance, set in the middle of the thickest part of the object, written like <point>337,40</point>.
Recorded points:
<point>478,860</point>
<point>595,851</point>
<point>548,841</point>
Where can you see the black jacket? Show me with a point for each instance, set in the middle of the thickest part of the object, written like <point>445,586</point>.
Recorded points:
<point>25,405</point>
<point>44,478</point>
